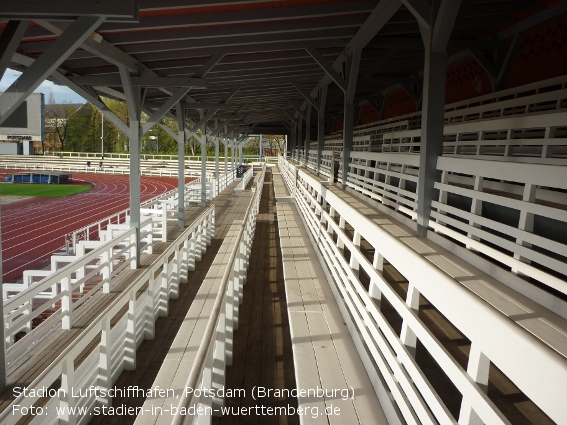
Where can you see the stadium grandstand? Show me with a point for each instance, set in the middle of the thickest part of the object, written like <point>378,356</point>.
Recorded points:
<point>403,261</point>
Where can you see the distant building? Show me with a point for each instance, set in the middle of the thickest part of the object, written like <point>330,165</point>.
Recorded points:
<point>24,127</point>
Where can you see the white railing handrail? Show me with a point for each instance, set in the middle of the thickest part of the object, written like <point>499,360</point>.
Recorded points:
<point>64,361</point>
<point>204,347</point>
<point>520,357</point>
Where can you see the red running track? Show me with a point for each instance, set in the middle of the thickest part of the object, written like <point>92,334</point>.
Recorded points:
<point>32,232</point>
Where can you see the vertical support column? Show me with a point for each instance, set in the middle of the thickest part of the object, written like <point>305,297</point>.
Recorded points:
<point>432,124</point>
<point>299,137</point>
<point>353,62</point>
<point>293,139</point>
<point>180,166</point>
<point>321,126</point>
<point>133,100</point>
<point>225,157</point>
<point>217,174</point>
<point>307,135</point>
<point>2,339</point>
<point>204,168</point>
<point>240,153</point>
<point>260,150</point>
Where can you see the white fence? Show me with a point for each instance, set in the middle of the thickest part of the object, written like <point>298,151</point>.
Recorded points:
<point>192,196</point>
<point>213,349</point>
<point>535,368</point>
<point>61,292</point>
<point>82,169</point>
<point>108,345</point>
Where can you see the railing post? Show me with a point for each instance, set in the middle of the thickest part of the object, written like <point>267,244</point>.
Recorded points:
<point>407,336</point>
<point>218,377</point>
<point>106,270</point>
<point>174,279</point>
<point>183,260</point>
<point>130,343</point>
<point>67,400</point>
<point>105,362</point>
<point>478,368</point>
<point>149,329</point>
<point>373,290</point>
<point>66,304</point>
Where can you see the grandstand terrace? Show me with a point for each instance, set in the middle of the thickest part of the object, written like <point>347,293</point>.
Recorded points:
<point>404,261</point>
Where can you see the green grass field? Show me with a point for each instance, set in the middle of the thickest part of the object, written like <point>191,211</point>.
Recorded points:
<point>46,190</point>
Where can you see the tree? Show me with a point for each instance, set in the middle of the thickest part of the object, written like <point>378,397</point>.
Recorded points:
<point>57,117</point>
<point>272,144</point>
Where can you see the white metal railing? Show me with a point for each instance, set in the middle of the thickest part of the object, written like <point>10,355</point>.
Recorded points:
<point>516,199</point>
<point>146,156</point>
<point>61,292</point>
<point>82,169</point>
<point>222,318</point>
<point>108,344</point>
<point>540,98</point>
<point>537,369</point>
<point>326,162</point>
<point>389,178</point>
<point>538,137</point>
<point>192,191</point>
<point>289,174</point>
<point>505,210</point>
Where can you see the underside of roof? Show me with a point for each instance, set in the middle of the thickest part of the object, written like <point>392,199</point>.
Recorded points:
<point>259,64</point>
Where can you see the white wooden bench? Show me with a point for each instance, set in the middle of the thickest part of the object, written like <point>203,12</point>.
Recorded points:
<point>323,351</point>
<point>179,360</point>
<point>280,189</point>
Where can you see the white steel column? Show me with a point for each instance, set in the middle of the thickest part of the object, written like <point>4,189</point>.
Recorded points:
<point>217,175</point>
<point>260,149</point>
<point>225,141</point>
<point>435,39</point>
<point>299,137</point>
<point>353,63</point>
<point>2,339</point>
<point>204,169</point>
<point>133,100</point>
<point>307,144</point>
<point>240,153</point>
<point>180,165</point>
<point>321,125</point>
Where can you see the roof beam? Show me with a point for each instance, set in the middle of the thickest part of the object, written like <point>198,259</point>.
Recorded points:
<point>46,64</point>
<point>205,105</point>
<point>271,14</point>
<point>301,114</point>
<point>9,41</point>
<point>112,10</point>
<point>444,24</point>
<point>421,10</point>
<point>329,70</point>
<point>163,109</point>
<point>97,46</point>
<point>115,81</point>
<point>306,95</point>
<point>532,21</point>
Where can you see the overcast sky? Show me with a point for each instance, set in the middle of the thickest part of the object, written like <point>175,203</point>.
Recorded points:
<point>60,93</point>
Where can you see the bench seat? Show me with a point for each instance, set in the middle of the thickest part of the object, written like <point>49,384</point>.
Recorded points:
<point>324,354</point>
